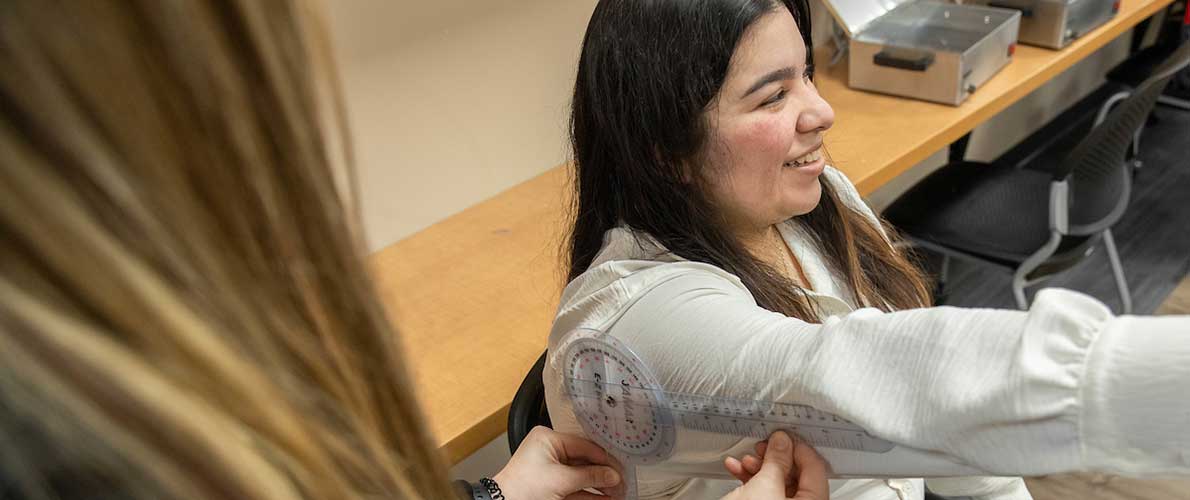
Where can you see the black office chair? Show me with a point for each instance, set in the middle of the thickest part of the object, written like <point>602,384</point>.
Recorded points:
<point>528,406</point>
<point>1039,212</point>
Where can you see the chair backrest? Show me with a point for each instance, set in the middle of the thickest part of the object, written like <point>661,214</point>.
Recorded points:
<point>528,406</point>
<point>1096,169</point>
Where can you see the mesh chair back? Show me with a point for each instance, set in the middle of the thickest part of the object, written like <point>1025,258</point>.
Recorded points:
<point>1096,169</point>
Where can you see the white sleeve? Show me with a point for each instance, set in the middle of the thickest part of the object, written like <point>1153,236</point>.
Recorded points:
<point>1065,386</point>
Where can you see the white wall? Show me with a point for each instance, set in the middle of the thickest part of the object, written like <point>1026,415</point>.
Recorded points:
<point>453,101</point>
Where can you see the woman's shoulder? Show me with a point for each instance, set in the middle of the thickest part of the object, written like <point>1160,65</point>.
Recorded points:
<point>615,282</point>
<point>625,279</point>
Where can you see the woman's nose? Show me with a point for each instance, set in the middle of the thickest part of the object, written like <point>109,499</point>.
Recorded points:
<point>816,116</point>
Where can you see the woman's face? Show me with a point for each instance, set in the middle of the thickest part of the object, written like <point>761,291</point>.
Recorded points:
<point>764,154</point>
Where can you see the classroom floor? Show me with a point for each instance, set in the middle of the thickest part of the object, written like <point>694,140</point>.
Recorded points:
<point>1103,487</point>
<point>1178,302</point>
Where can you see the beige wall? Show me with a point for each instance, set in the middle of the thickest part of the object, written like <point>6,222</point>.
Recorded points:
<point>452,101</point>
<point>450,107</point>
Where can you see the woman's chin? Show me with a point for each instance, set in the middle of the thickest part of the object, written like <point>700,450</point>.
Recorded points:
<point>805,200</point>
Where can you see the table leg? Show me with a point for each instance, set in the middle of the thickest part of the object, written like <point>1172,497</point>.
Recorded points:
<point>958,148</point>
<point>1138,35</point>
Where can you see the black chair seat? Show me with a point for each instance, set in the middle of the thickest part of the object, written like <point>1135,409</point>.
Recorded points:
<point>999,212</point>
<point>994,212</point>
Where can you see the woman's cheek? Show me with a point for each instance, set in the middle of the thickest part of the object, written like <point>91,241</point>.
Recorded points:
<point>770,135</point>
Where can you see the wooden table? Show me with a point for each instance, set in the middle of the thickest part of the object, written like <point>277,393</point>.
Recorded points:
<point>474,295</point>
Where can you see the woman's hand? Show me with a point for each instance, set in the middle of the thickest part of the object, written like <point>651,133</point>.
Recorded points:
<point>553,466</point>
<point>785,470</point>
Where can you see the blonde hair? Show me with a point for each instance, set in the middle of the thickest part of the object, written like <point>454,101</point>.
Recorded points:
<point>184,309</point>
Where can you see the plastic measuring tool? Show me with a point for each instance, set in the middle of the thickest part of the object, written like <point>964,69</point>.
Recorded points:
<point>620,406</point>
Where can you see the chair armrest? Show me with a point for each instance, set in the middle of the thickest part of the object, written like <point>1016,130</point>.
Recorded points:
<point>1060,207</point>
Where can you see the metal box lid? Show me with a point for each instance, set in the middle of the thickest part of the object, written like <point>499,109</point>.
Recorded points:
<point>854,15</point>
<point>1012,4</point>
<point>936,26</point>
<point>913,23</point>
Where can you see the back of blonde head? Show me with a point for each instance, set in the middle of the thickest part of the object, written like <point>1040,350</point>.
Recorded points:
<point>184,312</point>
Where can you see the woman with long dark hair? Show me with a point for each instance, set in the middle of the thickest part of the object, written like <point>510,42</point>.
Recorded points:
<point>711,237</point>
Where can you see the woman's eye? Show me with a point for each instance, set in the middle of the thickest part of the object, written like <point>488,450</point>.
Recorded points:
<point>809,73</point>
<point>775,98</point>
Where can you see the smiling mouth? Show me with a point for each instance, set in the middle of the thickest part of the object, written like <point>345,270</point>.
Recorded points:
<point>805,159</point>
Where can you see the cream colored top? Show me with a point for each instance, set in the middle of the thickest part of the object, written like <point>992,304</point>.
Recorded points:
<point>1064,386</point>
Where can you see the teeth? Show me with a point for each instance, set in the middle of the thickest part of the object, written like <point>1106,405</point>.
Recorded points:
<point>810,157</point>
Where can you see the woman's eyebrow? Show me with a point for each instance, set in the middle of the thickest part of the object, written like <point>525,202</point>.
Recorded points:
<point>785,73</point>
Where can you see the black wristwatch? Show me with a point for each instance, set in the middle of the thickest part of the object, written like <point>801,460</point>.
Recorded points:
<point>485,489</point>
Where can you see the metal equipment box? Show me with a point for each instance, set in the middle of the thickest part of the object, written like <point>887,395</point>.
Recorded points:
<point>1055,23</point>
<point>924,49</point>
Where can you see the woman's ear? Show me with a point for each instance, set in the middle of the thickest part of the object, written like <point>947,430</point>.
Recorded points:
<point>683,170</point>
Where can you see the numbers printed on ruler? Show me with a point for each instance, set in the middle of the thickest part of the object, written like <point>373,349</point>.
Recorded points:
<point>758,419</point>
<point>620,405</point>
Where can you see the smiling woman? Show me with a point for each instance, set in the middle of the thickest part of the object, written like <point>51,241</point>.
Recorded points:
<point>712,240</point>
<point>702,169</point>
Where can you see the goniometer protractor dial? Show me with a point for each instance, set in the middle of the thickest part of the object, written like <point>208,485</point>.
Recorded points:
<point>616,401</point>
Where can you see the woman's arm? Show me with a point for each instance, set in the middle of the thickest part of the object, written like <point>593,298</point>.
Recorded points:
<point>1065,386</point>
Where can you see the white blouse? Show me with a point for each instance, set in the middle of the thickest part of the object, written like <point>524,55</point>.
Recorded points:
<point>1065,386</point>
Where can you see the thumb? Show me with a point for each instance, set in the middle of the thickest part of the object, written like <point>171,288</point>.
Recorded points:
<point>778,459</point>
<point>812,473</point>
<point>576,477</point>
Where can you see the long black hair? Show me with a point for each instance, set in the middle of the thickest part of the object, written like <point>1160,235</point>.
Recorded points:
<point>648,71</point>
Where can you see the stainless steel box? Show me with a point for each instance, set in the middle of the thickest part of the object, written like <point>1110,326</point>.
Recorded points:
<point>927,50</point>
<point>1055,23</point>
